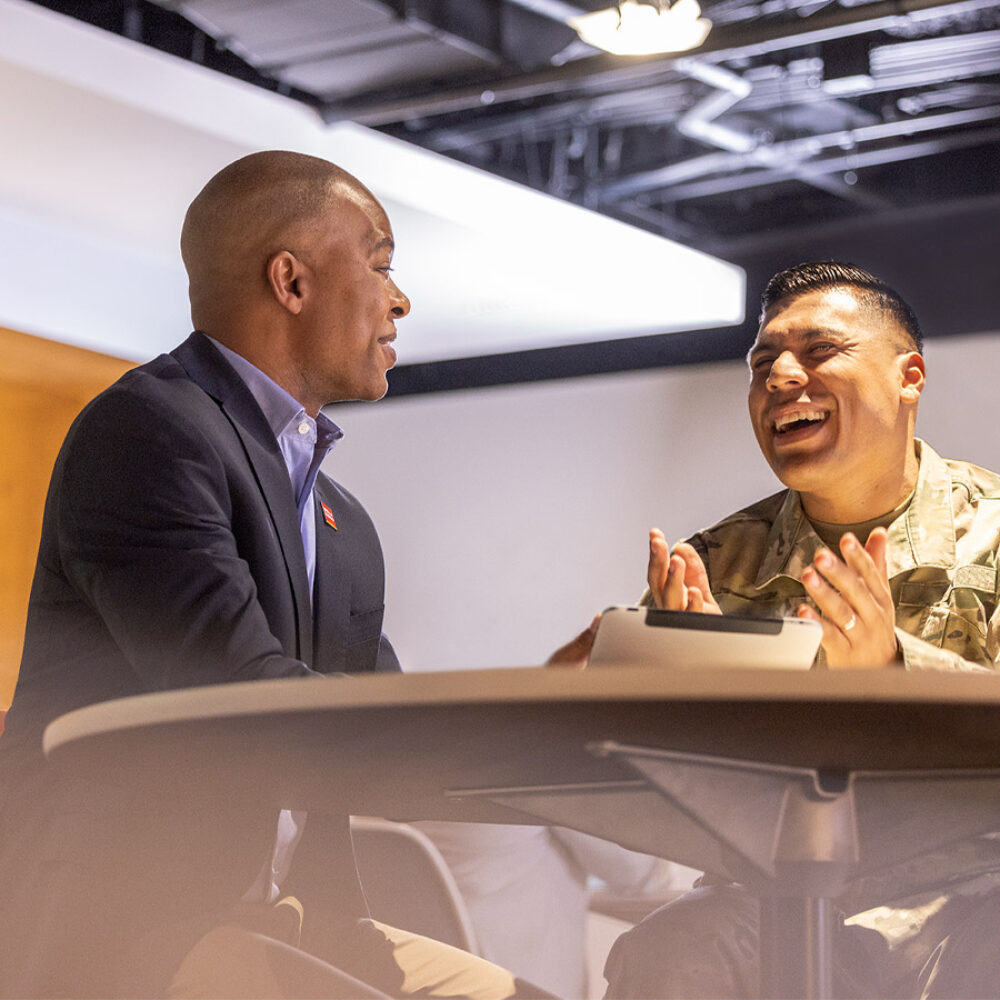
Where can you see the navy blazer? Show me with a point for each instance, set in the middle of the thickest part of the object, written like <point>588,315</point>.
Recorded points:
<point>170,557</point>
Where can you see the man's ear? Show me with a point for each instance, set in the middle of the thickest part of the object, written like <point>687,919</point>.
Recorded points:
<point>284,276</point>
<point>911,366</point>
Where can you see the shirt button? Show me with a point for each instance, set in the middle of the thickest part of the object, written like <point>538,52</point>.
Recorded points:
<point>303,428</point>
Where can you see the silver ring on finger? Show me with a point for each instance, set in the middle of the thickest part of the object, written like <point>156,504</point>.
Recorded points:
<point>849,624</point>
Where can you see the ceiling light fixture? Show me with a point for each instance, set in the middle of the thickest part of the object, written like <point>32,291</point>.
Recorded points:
<point>643,28</point>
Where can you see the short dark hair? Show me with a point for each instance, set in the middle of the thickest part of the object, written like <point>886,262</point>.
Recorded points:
<point>817,275</point>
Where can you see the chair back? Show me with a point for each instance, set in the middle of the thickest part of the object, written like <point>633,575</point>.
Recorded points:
<point>408,884</point>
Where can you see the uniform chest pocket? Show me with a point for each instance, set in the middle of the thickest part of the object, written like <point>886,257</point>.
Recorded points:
<point>953,614</point>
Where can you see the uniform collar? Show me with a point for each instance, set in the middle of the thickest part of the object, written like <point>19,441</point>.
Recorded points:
<point>923,535</point>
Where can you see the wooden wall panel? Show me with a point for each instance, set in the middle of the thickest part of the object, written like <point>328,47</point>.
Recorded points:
<point>43,386</point>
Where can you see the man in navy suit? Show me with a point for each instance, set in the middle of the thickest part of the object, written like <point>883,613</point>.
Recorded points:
<point>189,538</point>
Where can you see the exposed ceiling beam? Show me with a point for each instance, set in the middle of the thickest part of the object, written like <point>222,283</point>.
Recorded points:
<point>727,42</point>
<point>495,32</point>
<point>469,25</point>
<point>642,108</point>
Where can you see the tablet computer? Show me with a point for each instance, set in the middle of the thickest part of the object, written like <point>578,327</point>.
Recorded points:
<point>684,639</point>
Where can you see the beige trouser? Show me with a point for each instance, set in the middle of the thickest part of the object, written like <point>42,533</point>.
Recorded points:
<point>377,961</point>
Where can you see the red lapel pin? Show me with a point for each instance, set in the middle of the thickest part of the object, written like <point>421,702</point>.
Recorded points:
<point>328,515</point>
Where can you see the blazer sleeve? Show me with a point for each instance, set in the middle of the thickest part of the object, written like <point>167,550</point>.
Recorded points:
<point>386,660</point>
<point>145,504</point>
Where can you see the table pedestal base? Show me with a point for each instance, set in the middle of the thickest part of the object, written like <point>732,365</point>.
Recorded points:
<point>796,947</point>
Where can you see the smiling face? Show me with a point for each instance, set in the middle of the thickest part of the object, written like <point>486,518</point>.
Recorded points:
<point>350,303</point>
<point>833,395</point>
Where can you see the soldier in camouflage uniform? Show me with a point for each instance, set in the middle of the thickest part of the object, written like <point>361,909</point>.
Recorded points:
<point>941,557</point>
<point>893,550</point>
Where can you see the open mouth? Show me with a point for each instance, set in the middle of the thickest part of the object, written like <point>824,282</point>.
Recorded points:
<point>790,422</point>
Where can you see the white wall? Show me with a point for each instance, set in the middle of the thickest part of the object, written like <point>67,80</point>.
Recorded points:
<point>510,515</point>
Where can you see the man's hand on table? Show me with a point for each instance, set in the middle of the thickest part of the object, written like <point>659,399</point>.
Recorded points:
<point>678,580</point>
<point>853,596</point>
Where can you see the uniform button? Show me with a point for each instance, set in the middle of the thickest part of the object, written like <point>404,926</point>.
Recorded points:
<point>304,427</point>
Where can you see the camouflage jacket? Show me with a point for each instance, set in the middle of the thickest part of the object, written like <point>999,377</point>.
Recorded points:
<point>942,563</point>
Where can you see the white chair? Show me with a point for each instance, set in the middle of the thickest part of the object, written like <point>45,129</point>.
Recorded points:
<point>408,884</point>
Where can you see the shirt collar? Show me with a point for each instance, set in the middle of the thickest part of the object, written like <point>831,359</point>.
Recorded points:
<point>916,537</point>
<point>279,407</point>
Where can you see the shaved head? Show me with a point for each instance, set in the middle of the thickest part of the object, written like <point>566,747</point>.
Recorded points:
<point>288,259</point>
<point>249,210</point>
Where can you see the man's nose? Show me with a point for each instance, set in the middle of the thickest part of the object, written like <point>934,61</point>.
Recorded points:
<point>400,303</point>
<point>785,371</point>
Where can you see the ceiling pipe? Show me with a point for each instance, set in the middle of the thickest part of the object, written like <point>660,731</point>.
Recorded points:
<point>794,150</point>
<point>699,123</point>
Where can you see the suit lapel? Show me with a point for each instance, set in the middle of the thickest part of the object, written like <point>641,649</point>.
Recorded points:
<point>332,583</point>
<point>206,366</point>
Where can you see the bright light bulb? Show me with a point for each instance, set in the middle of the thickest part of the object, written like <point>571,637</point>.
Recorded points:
<point>638,29</point>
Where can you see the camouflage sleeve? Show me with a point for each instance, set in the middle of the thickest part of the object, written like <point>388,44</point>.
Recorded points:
<point>921,655</point>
